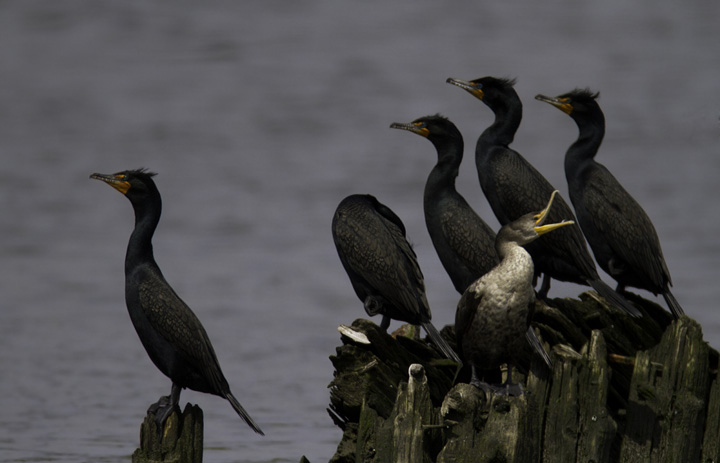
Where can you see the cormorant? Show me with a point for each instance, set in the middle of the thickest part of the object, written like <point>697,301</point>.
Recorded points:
<point>462,240</point>
<point>172,335</point>
<point>383,269</point>
<point>514,187</point>
<point>494,312</point>
<point>617,228</point>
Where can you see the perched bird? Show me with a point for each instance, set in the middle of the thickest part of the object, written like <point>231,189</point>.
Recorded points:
<point>514,187</point>
<point>172,335</point>
<point>617,228</point>
<point>462,240</point>
<point>383,269</point>
<point>493,313</point>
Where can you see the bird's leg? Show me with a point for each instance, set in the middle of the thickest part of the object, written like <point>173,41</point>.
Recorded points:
<point>510,388</point>
<point>478,383</point>
<point>545,287</point>
<point>474,377</point>
<point>164,407</point>
<point>385,323</point>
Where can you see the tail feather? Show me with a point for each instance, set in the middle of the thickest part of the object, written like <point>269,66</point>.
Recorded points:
<point>441,343</point>
<point>673,304</point>
<point>243,414</point>
<point>613,297</point>
<point>537,346</point>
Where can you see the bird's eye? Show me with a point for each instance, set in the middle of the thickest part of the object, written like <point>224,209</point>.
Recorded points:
<point>566,105</point>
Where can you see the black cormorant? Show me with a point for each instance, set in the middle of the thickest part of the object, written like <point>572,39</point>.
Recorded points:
<point>619,231</point>
<point>514,187</point>
<point>493,313</point>
<point>172,335</point>
<point>383,269</point>
<point>462,240</point>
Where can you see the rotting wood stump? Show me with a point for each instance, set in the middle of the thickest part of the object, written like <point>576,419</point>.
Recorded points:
<point>180,440</point>
<point>621,390</point>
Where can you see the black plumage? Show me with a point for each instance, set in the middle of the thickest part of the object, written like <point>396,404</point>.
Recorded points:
<point>172,335</point>
<point>514,187</point>
<point>617,228</point>
<point>494,312</point>
<point>464,242</point>
<point>382,266</point>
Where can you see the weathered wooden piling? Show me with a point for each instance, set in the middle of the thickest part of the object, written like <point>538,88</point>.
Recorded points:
<point>180,440</point>
<point>621,390</point>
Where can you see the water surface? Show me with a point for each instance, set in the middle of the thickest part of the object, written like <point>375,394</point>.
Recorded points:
<point>260,117</point>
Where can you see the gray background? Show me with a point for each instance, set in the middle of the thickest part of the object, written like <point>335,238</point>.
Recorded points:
<point>260,116</point>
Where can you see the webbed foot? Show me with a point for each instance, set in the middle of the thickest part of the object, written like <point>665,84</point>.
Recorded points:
<point>512,390</point>
<point>162,409</point>
<point>485,387</point>
<point>165,406</point>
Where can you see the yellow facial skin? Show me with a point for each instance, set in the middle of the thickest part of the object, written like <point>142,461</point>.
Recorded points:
<point>414,127</point>
<point>563,104</point>
<point>117,181</point>
<point>470,87</point>
<point>540,218</point>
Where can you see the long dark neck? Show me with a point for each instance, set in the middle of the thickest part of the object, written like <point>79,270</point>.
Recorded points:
<point>443,175</point>
<point>140,250</point>
<point>508,114</point>
<point>584,149</point>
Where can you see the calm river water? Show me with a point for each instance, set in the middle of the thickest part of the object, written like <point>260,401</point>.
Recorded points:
<point>260,116</point>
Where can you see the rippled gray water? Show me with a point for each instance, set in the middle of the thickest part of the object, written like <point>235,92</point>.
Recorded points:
<point>260,117</point>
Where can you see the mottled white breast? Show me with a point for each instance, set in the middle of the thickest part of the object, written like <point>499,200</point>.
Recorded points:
<point>500,320</point>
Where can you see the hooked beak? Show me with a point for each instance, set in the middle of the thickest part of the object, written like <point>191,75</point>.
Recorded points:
<point>473,89</point>
<point>418,129</point>
<point>560,103</point>
<point>116,182</point>
<point>541,229</point>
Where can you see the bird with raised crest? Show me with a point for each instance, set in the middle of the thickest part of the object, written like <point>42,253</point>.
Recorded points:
<point>618,229</point>
<point>513,187</point>
<point>172,335</point>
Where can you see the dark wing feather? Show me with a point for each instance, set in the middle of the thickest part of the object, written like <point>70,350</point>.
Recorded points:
<point>525,190</point>
<point>375,249</point>
<point>472,240</point>
<point>625,226</point>
<point>174,321</point>
<point>391,216</point>
<point>466,311</point>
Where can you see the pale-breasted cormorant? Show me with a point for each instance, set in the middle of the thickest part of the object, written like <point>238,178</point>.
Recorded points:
<point>382,266</point>
<point>617,228</point>
<point>462,240</point>
<point>172,335</point>
<point>493,313</point>
<point>514,187</point>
